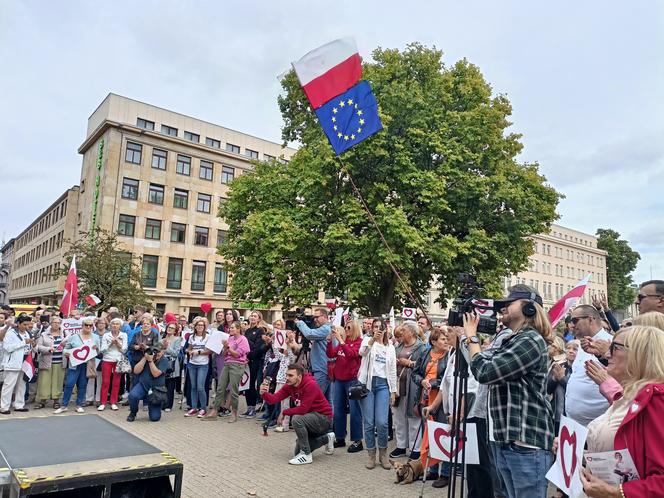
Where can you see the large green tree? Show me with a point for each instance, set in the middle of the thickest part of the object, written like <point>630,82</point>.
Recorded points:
<point>442,180</point>
<point>621,261</point>
<point>104,269</point>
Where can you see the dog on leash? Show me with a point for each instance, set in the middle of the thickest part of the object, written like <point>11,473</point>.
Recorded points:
<point>407,472</point>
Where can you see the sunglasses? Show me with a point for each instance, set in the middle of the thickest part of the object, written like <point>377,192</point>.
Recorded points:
<point>576,319</point>
<point>347,327</point>
<point>641,297</point>
<point>87,325</point>
<point>617,345</point>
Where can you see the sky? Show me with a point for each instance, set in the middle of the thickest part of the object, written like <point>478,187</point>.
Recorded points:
<point>585,79</point>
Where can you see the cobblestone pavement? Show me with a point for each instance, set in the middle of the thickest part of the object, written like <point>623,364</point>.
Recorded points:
<point>232,460</point>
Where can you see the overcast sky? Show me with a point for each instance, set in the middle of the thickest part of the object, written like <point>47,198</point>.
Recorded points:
<point>585,80</point>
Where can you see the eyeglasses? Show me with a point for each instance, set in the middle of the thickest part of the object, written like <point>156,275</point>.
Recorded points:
<point>87,325</point>
<point>576,319</point>
<point>617,345</point>
<point>641,297</point>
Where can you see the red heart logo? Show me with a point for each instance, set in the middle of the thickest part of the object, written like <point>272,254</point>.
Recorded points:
<point>408,312</point>
<point>440,433</point>
<point>81,353</point>
<point>245,379</point>
<point>566,437</point>
<point>279,335</point>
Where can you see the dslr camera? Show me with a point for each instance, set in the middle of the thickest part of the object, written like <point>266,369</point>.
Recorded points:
<point>465,303</point>
<point>151,351</point>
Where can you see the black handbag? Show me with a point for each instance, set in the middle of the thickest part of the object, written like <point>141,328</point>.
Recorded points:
<point>157,395</point>
<point>358,391</point>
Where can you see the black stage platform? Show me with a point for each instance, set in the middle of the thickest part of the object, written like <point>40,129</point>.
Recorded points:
<point>85,452</point>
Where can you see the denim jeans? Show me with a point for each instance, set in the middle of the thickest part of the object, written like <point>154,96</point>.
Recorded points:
<point>375,407</point>
<point>522,469</point>
<point>197,376</point>
<point>76,377</point>
<point>137,393</point>
<point>323,381</point>
<point>341,388</point>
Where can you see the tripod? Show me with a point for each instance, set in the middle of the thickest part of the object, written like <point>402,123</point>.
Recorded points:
<point>458,430</point>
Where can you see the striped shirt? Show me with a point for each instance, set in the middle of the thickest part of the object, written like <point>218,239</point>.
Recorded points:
<point>57,352</point>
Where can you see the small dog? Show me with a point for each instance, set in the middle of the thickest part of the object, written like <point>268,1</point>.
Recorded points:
<point>407,472</point>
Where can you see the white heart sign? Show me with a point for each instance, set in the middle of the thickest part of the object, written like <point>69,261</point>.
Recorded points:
<point>409,313</point>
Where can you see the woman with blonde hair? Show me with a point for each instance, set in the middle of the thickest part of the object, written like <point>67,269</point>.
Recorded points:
<point>633,422</point>
<point>113,348</point>
<point>650,319</point>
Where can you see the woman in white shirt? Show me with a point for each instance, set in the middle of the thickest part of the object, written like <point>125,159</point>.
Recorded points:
<point>199,362</point>
<point>378,371</point>
<point>113,348</point>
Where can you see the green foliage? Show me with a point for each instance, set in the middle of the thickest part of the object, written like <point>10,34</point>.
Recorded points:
<point>441,180</point>
<point>105,270</point>
<point>621,261</point>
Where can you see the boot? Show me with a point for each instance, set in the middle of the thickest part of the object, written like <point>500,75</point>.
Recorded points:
<point>371,463</point>
<point>382,458</point>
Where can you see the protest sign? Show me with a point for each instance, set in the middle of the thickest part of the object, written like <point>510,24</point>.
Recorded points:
<point>244,381</point>
<point>280,338</point>
<point>440,443</point>
<point>565,472</point>
<point>216,341</point>
<point>71,326</point>
<point>81,354</point>
<point>409,313</point>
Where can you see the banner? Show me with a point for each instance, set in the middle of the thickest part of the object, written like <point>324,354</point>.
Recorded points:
<point>565,471</point>
<point>81,354</point>
<point>409,313</point>
<point>440,443</point>
<point>216,340</point>
<point>280,338</point>
<point>71,326</point>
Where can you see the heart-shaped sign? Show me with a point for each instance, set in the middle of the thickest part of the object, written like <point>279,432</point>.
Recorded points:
<point>81,353</point>
<point>408,312</point>
<point>567,439</point>
<point>206,307</point>
<point>443,439</point>
<point>280,338</point>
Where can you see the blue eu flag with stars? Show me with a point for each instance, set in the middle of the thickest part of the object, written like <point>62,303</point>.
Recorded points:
<point>350,117</point>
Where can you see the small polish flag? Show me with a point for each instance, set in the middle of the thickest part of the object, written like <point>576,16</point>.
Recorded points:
<point>28,367</point>
<point>329,70</point>
<point>560,309</point>
<point>92,300</point>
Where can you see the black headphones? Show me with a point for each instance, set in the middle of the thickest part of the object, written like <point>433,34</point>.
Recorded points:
<point>529,309</point>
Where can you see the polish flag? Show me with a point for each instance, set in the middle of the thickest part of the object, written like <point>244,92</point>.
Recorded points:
<point>560,309</point>
<point>70,295</point>
<point>28,366</point>
<point>329,70</point>
<point>92,300</point>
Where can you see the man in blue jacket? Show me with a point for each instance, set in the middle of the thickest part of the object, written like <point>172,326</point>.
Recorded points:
<point>318,337</point>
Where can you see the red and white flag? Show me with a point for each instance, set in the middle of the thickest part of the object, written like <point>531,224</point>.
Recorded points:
<point>28,366</point>
<point>560,309</point>
<point>329,70</point>
<point>70,295</point>
<point>92,300</point>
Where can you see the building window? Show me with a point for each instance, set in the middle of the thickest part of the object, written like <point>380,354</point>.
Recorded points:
<point>156,194</point>
<point>221,237</point>
<point>251,153</point>
<point>206,171</point>
<point>203,204</point>
<point>145,124</point>
<point>178,232</point>
<point>126,225</point>
<point>129,188</point>
<point>183,166</point>
<point>150,264</point>
<point>233,148</point>
<point>227,174</point>
<point>181,199</point>
<point>169,130</point>
<point>153,229</point>
<point>201,235</point>
<point>159,158</point>
<point>198,275</point>
<point>220,278</point>
<point>192,137</point>
<point>133,153</point>
<point>174,276</point>
<point>211,142</point>
<point>268,157</point>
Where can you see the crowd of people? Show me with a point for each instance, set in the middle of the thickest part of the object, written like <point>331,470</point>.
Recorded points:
<point>363,384</point>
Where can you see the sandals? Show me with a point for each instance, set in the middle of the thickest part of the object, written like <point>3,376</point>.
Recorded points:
<point>56,405</point>
<point>39,406</point>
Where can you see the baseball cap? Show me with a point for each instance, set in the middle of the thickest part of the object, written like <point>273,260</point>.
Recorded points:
<point>515,295</point>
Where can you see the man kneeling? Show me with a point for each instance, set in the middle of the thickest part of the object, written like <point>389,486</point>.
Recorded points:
<point>150,373</point>
<point>311,417</point>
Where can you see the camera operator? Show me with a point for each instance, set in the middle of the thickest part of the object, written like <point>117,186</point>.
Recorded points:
<point>318,337</point>
<point>311,416</point>
<point>150,382</point>
<point>520,415</point>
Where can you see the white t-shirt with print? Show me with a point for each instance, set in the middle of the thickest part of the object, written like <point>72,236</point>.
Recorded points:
<point>379,360</point>
<point>197,343</point>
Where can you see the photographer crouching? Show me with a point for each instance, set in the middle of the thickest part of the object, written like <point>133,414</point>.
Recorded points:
<point>150,374</point>
<point>520,415</point>
<point>311,416</point>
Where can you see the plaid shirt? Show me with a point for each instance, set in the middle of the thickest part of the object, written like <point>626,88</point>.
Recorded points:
<point>516,374</point>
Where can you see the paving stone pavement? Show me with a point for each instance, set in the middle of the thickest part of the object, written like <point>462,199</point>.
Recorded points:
<point>231,460</point>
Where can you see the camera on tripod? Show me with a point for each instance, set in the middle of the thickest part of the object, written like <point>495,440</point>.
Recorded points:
<point>467,302</point>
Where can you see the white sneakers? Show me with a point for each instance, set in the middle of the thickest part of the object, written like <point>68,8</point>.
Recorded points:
<point>301,459</point>
<point>280,428</point>
<point>60,410</point>
<point>101,408</point>
<point>329,447</point>
<point>114,407</point>
<point>79,409</point>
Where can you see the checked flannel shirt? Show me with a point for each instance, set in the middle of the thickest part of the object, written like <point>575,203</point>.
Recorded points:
<point>516,374</point>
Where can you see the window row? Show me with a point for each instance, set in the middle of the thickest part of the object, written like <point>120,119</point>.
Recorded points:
<point>57,213</point>
<point>36,277</point>
<point>570,255</point>
<point>156,194</point>
<point>45,248</point>
<point>178,231</point>
<point>196,138</point>
<point>175,275</point>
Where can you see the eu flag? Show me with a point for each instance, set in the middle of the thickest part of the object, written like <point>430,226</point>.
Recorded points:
<point>350,117</point>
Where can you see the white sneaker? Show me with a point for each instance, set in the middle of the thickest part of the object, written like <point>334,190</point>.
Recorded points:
<point>114,407</point>
<point>280,428</point>
<point>167,410</point>
<point>79,409</point>
<point>301,459</point>
<point>60,410</point>
<point>101,408</point>
<point>329,447</point>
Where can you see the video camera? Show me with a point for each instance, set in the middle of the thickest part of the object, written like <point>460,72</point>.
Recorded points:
<point>465,304</point>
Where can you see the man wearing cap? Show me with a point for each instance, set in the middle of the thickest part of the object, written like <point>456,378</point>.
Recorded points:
<point>150,375</point>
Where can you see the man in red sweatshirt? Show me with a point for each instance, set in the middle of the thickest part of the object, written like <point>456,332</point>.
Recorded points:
<point>311,417</point>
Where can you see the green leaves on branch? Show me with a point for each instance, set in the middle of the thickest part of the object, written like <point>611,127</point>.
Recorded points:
<point>621,261</point>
